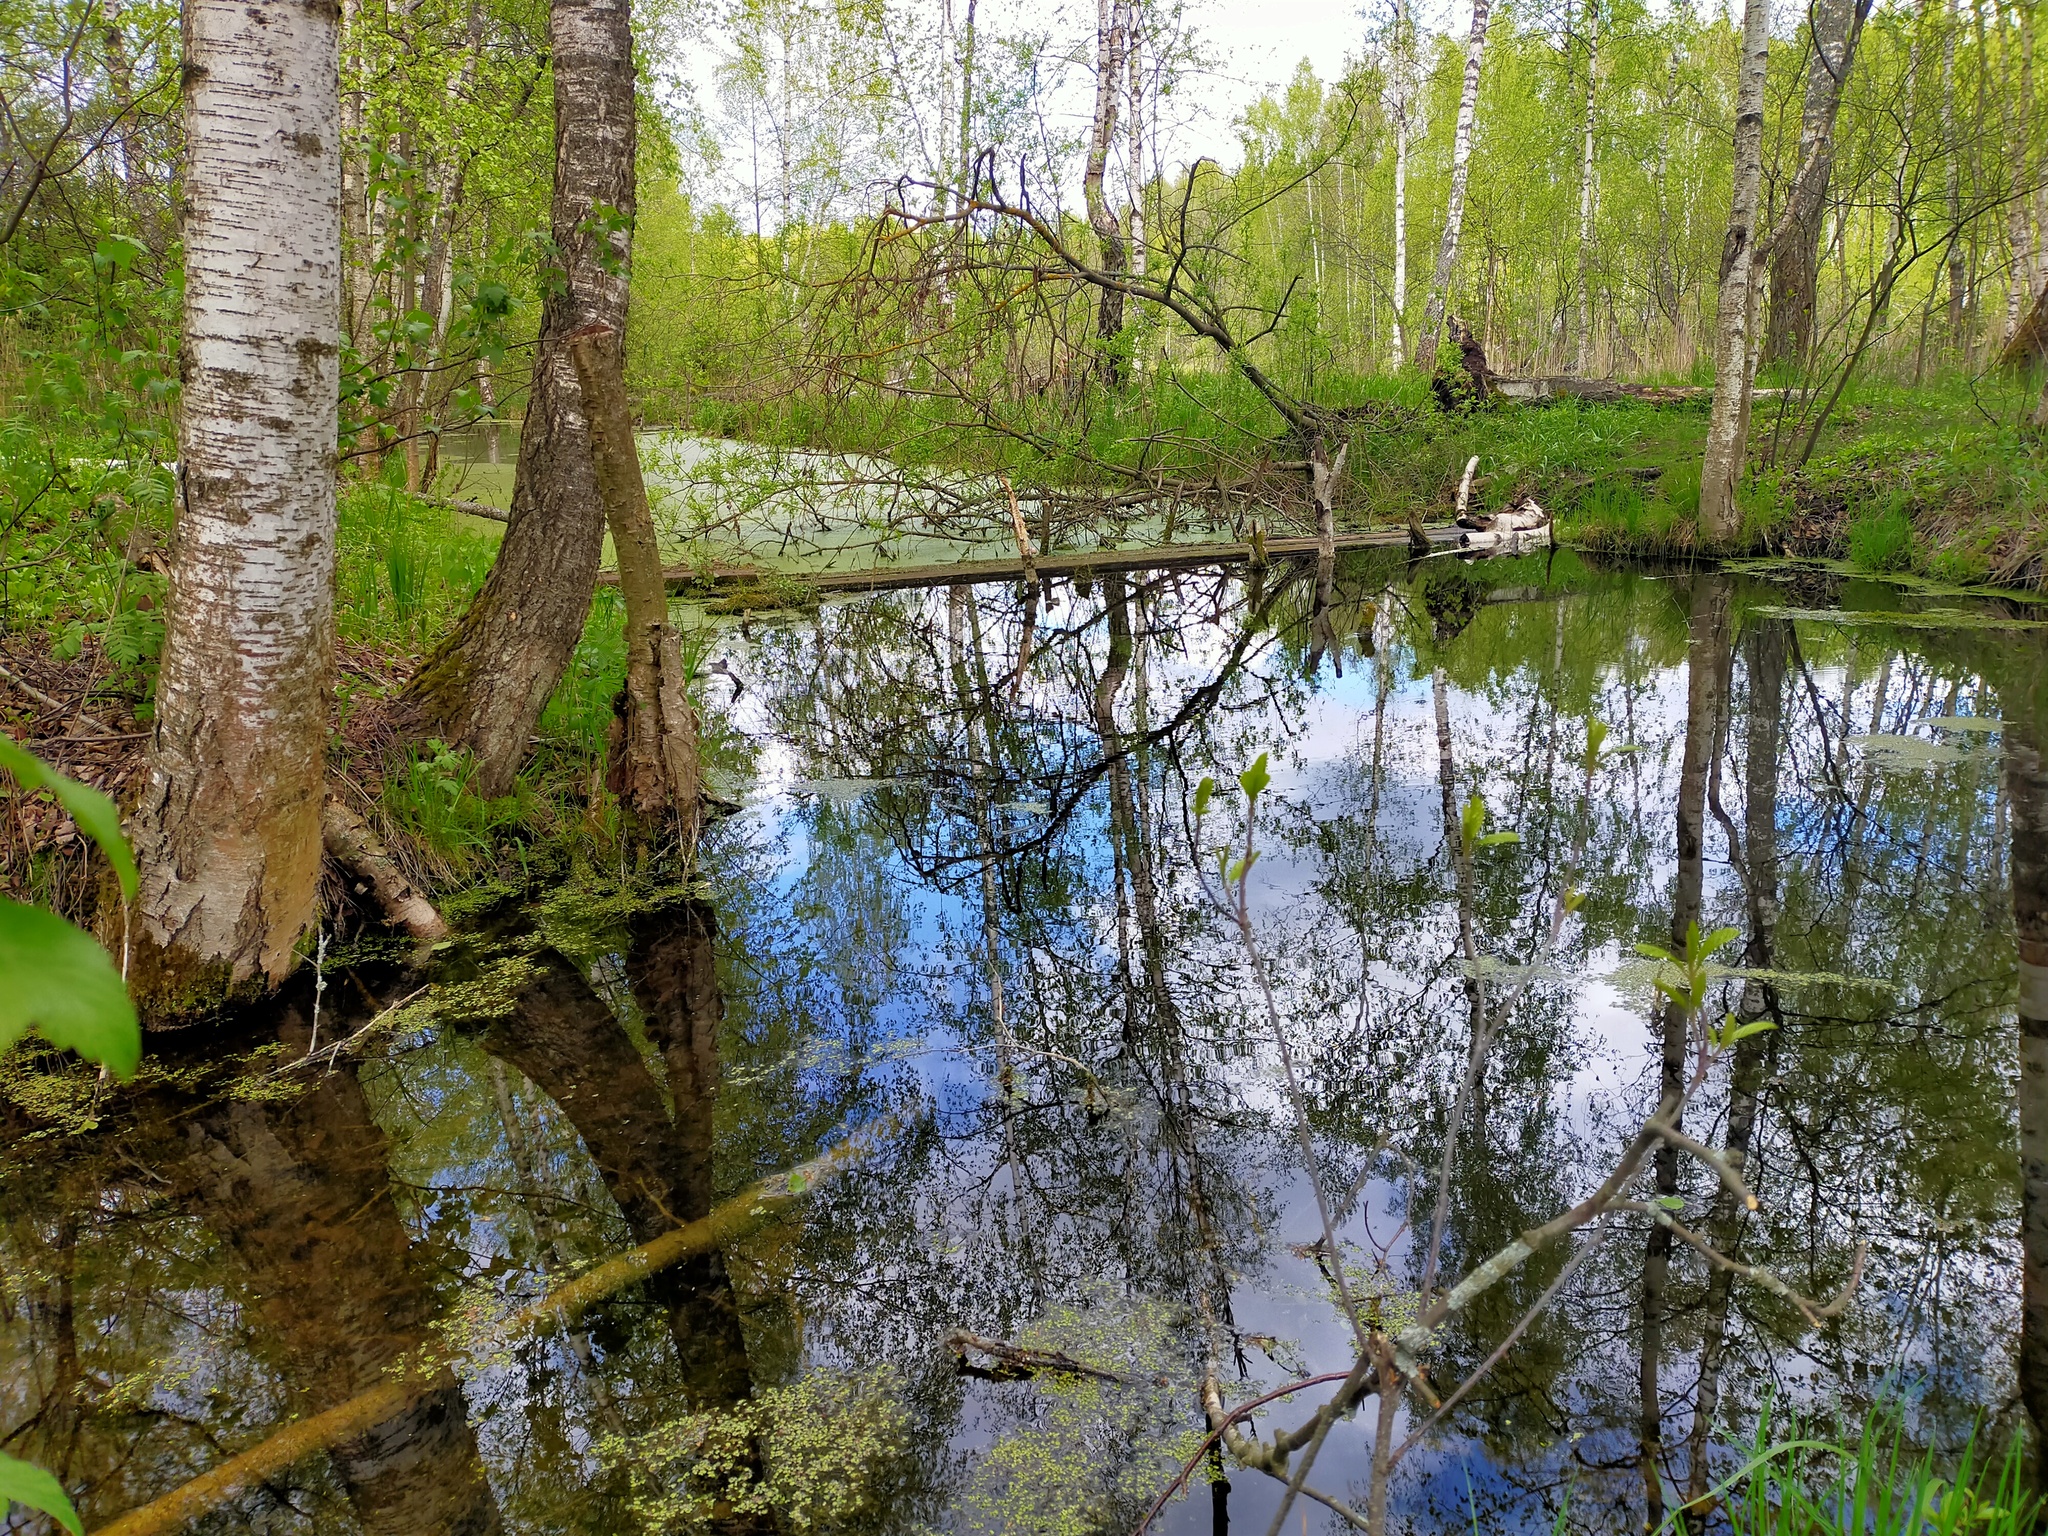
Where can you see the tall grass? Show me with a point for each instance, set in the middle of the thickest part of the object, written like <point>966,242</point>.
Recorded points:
<point>1805,1483</point>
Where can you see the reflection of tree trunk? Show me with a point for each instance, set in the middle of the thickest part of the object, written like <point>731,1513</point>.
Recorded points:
<point>2026,781</point>
<point>657,1168</point>
<point>1766,669</point>
<point>301,1192</point>
<point>1706,685</point>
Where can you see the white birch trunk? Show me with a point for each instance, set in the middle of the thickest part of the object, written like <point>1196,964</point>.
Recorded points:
<point>1585,352</point>
<point>1728,424</point>
<point>1454,214</point>
<point>1137,142</point>
<point>1400,294</point>
<point>229,823</point>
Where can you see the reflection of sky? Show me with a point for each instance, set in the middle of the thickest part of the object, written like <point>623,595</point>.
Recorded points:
<point>1321,745</point>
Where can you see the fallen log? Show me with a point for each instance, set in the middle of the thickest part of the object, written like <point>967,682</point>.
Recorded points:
<point>886,578</point>
<point>356,848</point>
<point>1542,390</point>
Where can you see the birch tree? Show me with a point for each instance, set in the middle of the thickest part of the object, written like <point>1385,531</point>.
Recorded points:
<point>1592,30</point>
<point>1454,214</point>
<point>1795,252</point>
<point>1400,62</point>
<point>228,827</point>
<point>1110,24</point>
<point>1728,423</point>
<point>485,685</point>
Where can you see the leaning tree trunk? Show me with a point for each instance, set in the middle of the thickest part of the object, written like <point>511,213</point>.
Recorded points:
<point>1454,215</point>
<point>485,685</point>
<point>1109,234</point>
<point>654,767</point>
<point>1728,425</point>
<point>1795,254</point>
<point>228,827</point>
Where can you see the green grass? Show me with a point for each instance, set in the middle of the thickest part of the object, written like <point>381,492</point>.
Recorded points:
<point>1871,1481</point>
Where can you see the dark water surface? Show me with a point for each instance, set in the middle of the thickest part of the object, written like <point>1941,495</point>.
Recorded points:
<point>960,914</point>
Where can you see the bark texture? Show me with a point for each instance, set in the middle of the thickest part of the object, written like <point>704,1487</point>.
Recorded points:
<point>1728,425</point>
<point>1110,36</point>
<point>485,685</point>
<point>228,827</point>
<point>1583,361</point>
<point>654,767</point>
<point>1795,250</point>
<point>1454,214</point>
<point>1399,65</point>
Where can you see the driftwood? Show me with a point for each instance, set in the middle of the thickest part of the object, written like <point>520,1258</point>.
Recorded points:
<point>356,848</point>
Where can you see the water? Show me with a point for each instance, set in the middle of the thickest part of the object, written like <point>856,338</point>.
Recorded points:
<point>959,916</point>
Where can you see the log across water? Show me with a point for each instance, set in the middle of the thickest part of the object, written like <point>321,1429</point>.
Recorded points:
<point>882,578</point>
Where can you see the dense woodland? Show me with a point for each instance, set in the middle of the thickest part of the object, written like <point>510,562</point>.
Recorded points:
<point>378,378</point>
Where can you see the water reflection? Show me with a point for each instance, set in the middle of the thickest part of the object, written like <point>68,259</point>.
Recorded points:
<point>964,895</point>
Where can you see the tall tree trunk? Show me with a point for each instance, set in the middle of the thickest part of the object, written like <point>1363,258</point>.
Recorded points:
<point>2026,785</point>
<point>1795,251</point>
<point>1109,59</point>
<point>1952,156</point>
<point>1765,655</point>
<point>1584,361</point>
<point>228,828</point>
<point>654,768</point>
<point>1401,129</point>
<point>1706,691</point>
<point>1454,214</point>
<point>1135,57</point>
<point>967,104</point>
<point>1728,424</point>
<point>485,685</point>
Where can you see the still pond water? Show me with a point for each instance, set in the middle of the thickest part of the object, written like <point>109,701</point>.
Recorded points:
<point>961,915</point>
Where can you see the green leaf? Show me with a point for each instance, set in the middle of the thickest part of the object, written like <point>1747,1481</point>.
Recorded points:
<point>1472,821</point>
<point>1253,780</point>
<point>1755,1027</point>
<point>1495,839</point>
<point>1671,1202</point>
<point>93,811</point>
<point>1204,793</point>
<point>1596,735</point>
<point>1655,952</point>
<point>1573,900</point>
<point>25,1483</point>
<point>1240,868</point>
<point>57,980</point>
<point>1719,939</point>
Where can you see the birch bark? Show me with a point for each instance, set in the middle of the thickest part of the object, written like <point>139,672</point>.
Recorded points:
<point>1109,54</point>
<point>1454,214</point>
<point>1400,293</point>
<point>228,827</point>
<point>485,685</point>
<point>1584,360</point>
<point>1728,424</point>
